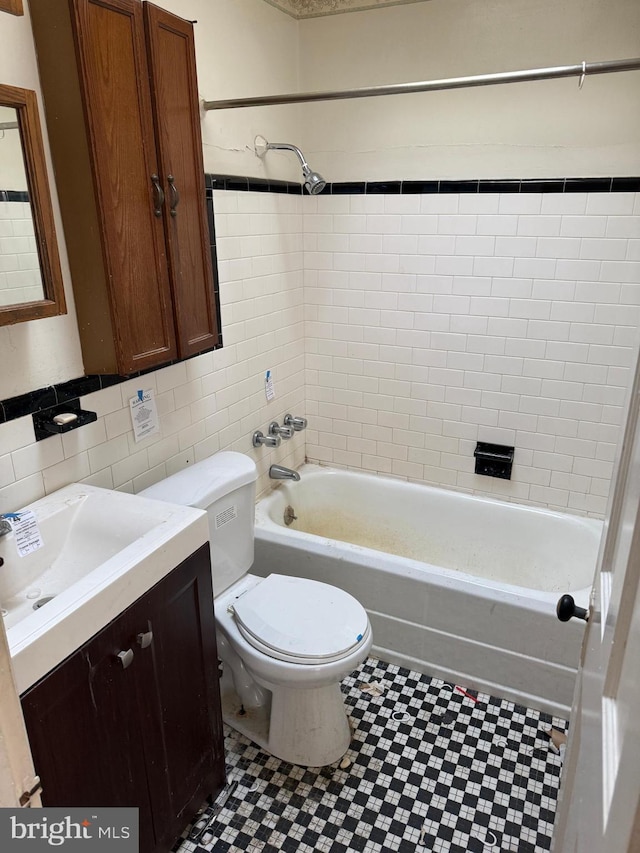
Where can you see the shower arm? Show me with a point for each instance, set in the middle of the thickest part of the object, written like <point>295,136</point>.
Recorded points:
<point>285,146</point>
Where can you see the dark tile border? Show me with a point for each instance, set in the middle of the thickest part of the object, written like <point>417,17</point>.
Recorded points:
<point>523,185</point>
<point>14,195</point>
<point>245,184</point>
<point>65,392</point>
<point>43,398</point>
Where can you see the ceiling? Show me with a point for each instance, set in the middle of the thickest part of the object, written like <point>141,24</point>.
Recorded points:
<point>316,8</point>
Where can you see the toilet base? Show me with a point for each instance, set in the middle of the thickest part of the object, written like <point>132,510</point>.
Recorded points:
<point>307,727</point>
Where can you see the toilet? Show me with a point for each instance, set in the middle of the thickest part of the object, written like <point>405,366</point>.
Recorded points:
<point>285,642</point>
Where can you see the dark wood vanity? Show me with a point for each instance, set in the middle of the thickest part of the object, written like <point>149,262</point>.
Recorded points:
<point>133,718</point>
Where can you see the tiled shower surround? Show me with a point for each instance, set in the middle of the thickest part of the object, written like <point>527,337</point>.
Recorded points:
<point>434,321</point>
<point>405,327</point>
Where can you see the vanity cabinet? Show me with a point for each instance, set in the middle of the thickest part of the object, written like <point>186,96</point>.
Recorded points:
<point>121,102</point>
<point>133,717</point>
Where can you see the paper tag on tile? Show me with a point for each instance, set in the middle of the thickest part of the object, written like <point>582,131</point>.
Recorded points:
<point>27,532</point>
<point>269,390</point>
<point>144,415</point>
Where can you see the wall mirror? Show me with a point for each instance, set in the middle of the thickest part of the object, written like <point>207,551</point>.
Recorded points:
<point>30,277</point>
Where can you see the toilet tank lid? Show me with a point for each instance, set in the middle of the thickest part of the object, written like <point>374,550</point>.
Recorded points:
<point>202,483</point>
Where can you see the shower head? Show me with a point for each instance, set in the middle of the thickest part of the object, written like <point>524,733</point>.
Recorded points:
<point>313,181</point>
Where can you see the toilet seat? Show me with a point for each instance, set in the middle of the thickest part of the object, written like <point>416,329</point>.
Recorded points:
<point>300,621</point>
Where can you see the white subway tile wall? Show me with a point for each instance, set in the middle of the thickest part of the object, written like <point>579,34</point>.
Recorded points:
<point>438,321</point>
<point>209,403</point>
<point>19,265</point>
<point>406,328</point>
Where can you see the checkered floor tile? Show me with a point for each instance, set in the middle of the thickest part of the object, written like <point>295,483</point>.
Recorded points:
<point>432,768</point>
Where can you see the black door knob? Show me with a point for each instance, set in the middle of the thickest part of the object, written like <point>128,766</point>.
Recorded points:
<point>567,608</point>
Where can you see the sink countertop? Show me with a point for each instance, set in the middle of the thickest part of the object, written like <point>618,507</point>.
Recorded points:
<point>45,637</point>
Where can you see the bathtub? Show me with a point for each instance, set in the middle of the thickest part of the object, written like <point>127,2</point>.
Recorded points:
<point>460,587</point>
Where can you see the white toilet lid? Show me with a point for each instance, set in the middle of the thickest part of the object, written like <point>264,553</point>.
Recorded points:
<point>301,620</point>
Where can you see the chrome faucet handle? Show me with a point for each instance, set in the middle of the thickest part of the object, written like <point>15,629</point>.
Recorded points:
<point>259,439</point>
<point>283,431</point>
<point>297,424</point>
<point>5,527</point>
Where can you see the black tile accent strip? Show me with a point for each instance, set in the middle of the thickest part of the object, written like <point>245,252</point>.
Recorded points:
<point>458,187</point>
<point>248,184</point>
<point>588,185</point>
<point>499,186</point>
<point>535,185</point>
<point>386,187</point>
<point>348,188</point>
<point>506,185</point>
<point>422,187</point>
<point>65,392</point>
<point>27,404</point>
<point>14,195</point>
<point>625,185</point>
<point>52,395</point>
<point>77,387</point>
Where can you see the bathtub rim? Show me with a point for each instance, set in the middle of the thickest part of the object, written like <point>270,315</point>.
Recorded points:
<point>272,531</point>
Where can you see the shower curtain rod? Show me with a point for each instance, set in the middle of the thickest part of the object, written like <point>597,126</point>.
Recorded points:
<point>581,70</point>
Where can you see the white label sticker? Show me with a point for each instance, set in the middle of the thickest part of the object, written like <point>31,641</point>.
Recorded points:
<point>27,532</point>
<point>144,415</point>
<point>269,390</point>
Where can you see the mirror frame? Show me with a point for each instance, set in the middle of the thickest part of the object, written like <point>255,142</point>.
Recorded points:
<point>25,103</point>
<point>13,7</point>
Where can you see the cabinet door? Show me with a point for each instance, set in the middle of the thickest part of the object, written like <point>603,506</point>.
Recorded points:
<point>148,734</point>
<point>84,734</point>
<point>174,93</point>
<point>110,46</point>
<point>179,694</point>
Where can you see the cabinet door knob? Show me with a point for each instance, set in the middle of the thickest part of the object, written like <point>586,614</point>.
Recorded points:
<point>159,195</point>
<point>144,639</point>
<point>126,658</point>
<point>175,195</point>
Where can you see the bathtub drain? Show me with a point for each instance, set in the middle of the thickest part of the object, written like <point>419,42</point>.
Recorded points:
<point>289,515</point>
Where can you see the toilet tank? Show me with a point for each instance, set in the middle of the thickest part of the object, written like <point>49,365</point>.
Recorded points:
<point>225,486</point>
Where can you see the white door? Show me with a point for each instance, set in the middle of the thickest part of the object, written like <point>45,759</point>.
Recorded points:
<point>599,809</point>
<point>17,777</point>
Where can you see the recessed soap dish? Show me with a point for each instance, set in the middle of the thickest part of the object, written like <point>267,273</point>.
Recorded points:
<point>494,460</point>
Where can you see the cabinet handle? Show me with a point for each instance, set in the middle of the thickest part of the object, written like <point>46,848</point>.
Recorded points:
<point>159,195</point>
<point>175,195</point>
<point>126,658</point>
<point>144,639</point>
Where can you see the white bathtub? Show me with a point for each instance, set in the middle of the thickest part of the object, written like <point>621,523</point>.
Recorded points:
<point>459,587</point>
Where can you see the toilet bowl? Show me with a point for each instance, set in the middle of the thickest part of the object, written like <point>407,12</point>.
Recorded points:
<point>285,643</point>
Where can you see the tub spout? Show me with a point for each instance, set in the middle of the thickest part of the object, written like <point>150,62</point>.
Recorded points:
<point>279,472</point>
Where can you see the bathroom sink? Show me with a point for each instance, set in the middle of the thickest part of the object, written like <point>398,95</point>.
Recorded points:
<point>101,550</point>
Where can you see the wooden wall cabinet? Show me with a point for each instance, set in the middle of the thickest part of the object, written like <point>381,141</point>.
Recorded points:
<point>148,734</point>
<point>120,94</point>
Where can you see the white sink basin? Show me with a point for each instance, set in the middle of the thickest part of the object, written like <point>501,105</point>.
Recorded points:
<point>101,551</point>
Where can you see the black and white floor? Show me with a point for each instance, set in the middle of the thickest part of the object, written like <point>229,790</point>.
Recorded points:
<point>432,768</point>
